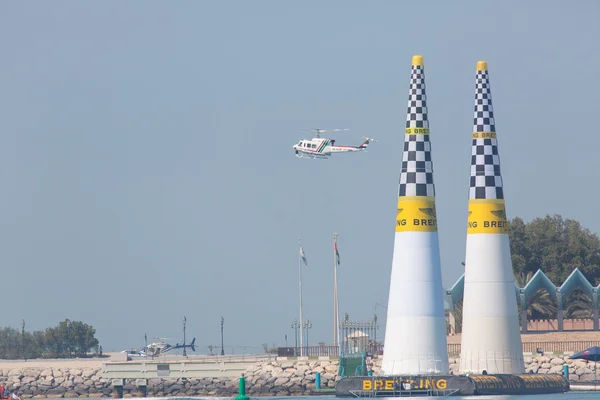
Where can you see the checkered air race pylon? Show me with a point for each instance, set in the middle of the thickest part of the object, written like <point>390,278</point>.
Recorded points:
<point>415,337</point>
<point>416,177</point>
<point>491,337</point>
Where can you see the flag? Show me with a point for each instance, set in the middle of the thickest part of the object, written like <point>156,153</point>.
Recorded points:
<point>303,256</point>
<point>337,253</point>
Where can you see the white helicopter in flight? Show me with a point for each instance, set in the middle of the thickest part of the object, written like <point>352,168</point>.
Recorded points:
<point>322,148</point>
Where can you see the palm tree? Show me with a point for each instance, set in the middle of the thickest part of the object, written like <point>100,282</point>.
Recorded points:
<point>579,305</point>
<point>541,305</point>
<point>458,308</point>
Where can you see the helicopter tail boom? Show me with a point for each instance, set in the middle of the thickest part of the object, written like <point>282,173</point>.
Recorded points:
<point>366,142</point>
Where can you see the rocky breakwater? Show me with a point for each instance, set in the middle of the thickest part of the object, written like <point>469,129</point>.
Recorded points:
<point>285,378</point>
<point>56,383</point>
<point>267,378</point>
<point>579,370</point>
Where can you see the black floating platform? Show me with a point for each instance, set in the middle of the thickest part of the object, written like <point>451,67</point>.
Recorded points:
<point>450,385</point>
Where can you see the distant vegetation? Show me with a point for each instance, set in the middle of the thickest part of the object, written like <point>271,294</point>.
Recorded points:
<point>556,246</point>
<point>68,339</point>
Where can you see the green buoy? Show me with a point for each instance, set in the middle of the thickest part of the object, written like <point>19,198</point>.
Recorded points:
<point>242,395</point>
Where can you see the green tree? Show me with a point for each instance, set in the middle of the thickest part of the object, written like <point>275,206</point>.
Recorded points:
<point>82,338</point>
<point>10,343</point>
<point>556,246</point>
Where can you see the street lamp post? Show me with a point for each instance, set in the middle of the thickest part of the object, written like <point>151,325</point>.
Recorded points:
<point>222,348</point>
<point>295,326</point>
<point>69,337</point>
<point>375,327</point>
<point>307,326</point>
<point>184,321</point>
<point>23,338</point>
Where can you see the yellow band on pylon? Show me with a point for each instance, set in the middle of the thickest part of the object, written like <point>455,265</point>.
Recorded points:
<point>481,66</point>
<point>416,131</point>
<point>487,216</point>
<point>416,214</point>
<point>484,135</point>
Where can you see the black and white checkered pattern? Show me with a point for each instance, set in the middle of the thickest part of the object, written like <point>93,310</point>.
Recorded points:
<point>416,115</point>
<point>416,176</point>
<point>486,181</point>
<point>483,116</point>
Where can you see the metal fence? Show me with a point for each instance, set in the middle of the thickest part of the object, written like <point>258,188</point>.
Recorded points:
<point>453,348</point>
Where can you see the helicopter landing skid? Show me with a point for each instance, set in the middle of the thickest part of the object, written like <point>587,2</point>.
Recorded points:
<point>320,157</point>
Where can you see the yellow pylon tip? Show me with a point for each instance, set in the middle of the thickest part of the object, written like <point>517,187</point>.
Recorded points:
<point>417,60</point>
<point>482,66</point>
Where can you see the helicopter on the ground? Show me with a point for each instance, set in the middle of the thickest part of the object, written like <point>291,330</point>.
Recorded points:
<point>322,148</point>
<point>158,348</point>
<point>155,349</point>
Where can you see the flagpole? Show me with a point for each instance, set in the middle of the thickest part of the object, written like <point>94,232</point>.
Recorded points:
<point>300,280</point>
<point>335,294</point>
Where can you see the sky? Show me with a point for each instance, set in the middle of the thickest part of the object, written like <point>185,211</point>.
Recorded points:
<point>148,169</point>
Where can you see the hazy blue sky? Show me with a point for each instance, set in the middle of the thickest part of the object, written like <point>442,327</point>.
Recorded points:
<point>147,159</point>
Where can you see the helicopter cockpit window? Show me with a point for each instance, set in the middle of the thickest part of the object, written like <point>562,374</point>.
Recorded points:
<point>314,146</point>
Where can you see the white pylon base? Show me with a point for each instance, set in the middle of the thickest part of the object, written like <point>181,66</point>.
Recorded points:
<point>491,336</point>
<point>415,338</point>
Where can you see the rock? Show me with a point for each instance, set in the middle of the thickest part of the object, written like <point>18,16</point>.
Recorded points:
<point>546,365</point>
<point>328,376</point>
<point>331,368</point>
<point>87,373</point>
<point>586,377</point>
<point>71,395</point>
<point>543,371</point>
<point>57,391</point>
<point>557,361</point>
<point>583,371</point>
<point>302,369</point>
<point>281,381</point>
<point>15,372</point>
<point>556,369</point>
<point>46,372</point>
